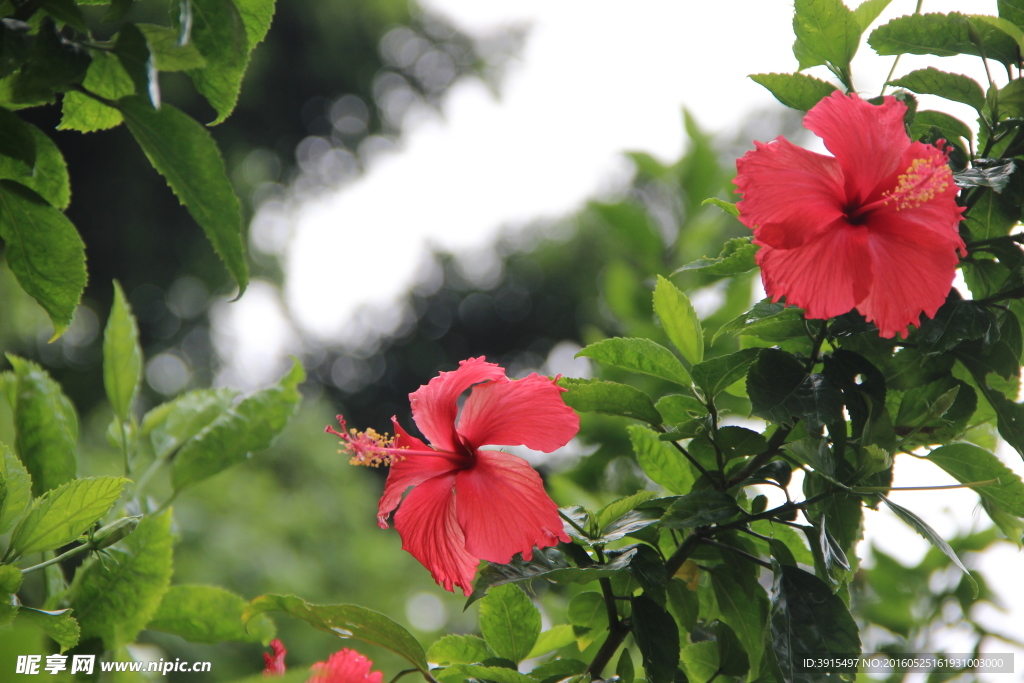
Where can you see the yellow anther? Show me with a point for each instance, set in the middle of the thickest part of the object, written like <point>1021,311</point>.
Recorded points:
<point>920,183</point>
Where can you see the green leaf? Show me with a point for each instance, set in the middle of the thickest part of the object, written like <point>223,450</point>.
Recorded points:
<point>827,32</point>
<point>629,523</point>
<point>676,409</point>
<point>737,257</point>
<point>714,375</point>
<point>624,667</point>
<point>679,320</point>
<point>218,30</point>
<point>256,16</point>
<point>560,670</point>
<point>18,489</point>
<point>11,578</point>
<point>186,155</point>
<point>122,356</point>
<point>1009,416</point>
<point>589,617</point>
<point>66,11</point>
<point>779,388</point>
<point>458,650</point>
<point>53,65</point>
<point>208,614</point>
<point>638,355</point>
<point>116,601</point>
<point>611,398</point>
<point>943,35</point>
<point>772,322</point>
<point>657,636</point>
<point>700,508</point>
<point>65,513</point>
<point>107,78</point>
<point>16,139</point>
<point>252,425</point>
<point>868,11</point>
<point>700,660</point>
<point>994,173</point>
<point>660,461</point>
<point>950,128</point>
<point>968,463</point>
<point>44,252</point>
<point>58,625</point>
<point>167,52</point>
<point>555,638</point>
<point>954,87</point>
<point>346,621</point>
<point>171,424</point>
<point>49,178</point>
<point>1012,10</point>
<point>956,320</point>
<point>798,91</point>
<point>616,509</point>
<point>993,215</point>
<point>787,536</point>
<point>14,46</point>
<point>46,426</point>
<point>509,622</point>
<point>919,525</point>
<point>807,618</point>
<point>493,674</point>
<point>131,49</point>
<point>728,207</point>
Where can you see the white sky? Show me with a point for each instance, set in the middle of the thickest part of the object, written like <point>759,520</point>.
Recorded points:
<point>596,78</point>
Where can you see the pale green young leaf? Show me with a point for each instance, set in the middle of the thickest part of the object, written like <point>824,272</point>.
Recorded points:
<point>167,52</point>
<point>59,625</point>
<point>679,320</point>
<point>46,426</point>
<point>827,32</point>
<point>107,78</point>
<point>171,424</point>
<point>116,599</point>
<point>188,158</point>
<point>458,650</point>
<point>209,614</point>
<point>252,425</point>
<point>43,251</point>
<point>638,355</point>
<point>554,638</point>
<point>659,461</point>
<point>122,356</point>
<point>610,398</point>
<point>17,489</point>
<point>509,622</point>
<point>49,178</point>
<point>867,11</point>
<point>65,513</point>
<point>728,207</point>
<point>614,510</point>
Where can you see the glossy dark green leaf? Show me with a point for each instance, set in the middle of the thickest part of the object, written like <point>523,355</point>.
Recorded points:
<point>168,53</point>
<point>17,493</point>
<point>770,322</point>
<point>648,568</point>
<point>122,356</point>
<point>842,511</point>
<point>715,374</point>
<point>638,355</point>
<point>968,463</point>
<point>117,10</point>
<point>63,514</point>
<point>49,178</point>
<point>611,398</point>
<point>993,173</point>
<point>16,139</point>
<point>133,51</point>
<point>616,509</point>
<point>509,622</point>
<point>919,525</point>
<point>798,90</point>
<point>345,621</point>
<point>46,426</point>
<point>458,650</point>
<point>737,257</point>
<point>15,44</point>
<point>807,619</point>
<point>954,87</point>
<point>559,671</point>
<point>252,425</point>
<point>67,12</point>
<point>660,461</point>
<point>679,320</point>
<point>186,155</point>
<point>629,523</point>
<point>831,552</point>
<point>208,614</point>
<point>171,424</point>
<point>950,128</point>
<point>43,251</point>
<point>779,389</point>
<point>60,625</point>
<point>1010,418</point>
<point>993,215</point>
<point>700,508</point>
<point>624,667</point>
<point>943,35</point>
<point>115,601</point>
<point>657,636</point>
<point>107,78</point>
<point>53,65</point>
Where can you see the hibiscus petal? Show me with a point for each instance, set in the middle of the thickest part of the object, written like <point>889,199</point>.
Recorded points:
<point>434,405</point>
<point>867,140</point>
<point>789,193</point>
<point>344,666</point>
<point>524,412</point>
<point>410,470</point>
<point>914,263</point>
<point>827,276</point>
<point>503,509</point>
<point>431,533</point>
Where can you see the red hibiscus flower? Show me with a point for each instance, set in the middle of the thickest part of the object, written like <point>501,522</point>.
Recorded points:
<point>344,666</point>
<point>873,227</point>
<point>470,504</point>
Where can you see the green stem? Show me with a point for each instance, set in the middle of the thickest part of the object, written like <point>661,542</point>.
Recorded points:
<point>60,558</point>
<point>886,489</point>
<point>693,461</point>
<point>741,553</point>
